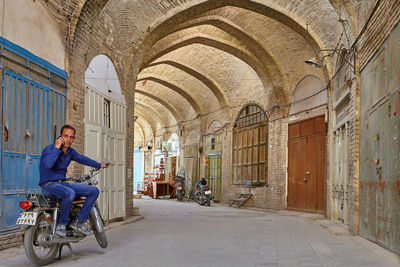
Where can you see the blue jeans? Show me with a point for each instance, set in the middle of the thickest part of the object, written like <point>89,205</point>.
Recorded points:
<point>67,192</point>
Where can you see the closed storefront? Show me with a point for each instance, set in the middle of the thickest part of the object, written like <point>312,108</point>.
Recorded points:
<point>379,215</point>
<point>33,94</point>
<point>306,165</point>
<point>105,134</point>
<point>191,166</point>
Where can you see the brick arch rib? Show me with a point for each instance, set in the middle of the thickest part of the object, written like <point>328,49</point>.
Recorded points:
<point>165,27</point>
<point>175,88</point>
<point>226,47</point>
<point>89,11</point>
<point>218,93</point>
<point>176,115</point>
<point>74,21</point>
<point>145,120</point>
<point>142,108</point>
<point>269,62</point>
<point>141,129</point>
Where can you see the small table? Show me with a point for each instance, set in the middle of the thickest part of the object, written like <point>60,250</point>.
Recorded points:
<point>163,188</point>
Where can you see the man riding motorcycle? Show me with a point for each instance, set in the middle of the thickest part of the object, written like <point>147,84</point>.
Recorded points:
<point>53,166</point>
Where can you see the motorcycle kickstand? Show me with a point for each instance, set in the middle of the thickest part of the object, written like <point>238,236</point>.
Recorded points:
<point>70,248</point>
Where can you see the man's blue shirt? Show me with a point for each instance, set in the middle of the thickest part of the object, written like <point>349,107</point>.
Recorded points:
<point>54,163</point>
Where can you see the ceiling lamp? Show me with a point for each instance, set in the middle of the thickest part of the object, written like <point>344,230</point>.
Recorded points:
<point>314,62</point>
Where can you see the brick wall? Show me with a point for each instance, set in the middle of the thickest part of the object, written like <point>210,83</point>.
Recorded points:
<point>130,32</point>
<point>11,240</point>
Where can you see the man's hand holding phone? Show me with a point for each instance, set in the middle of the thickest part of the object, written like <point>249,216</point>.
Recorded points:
<point>59,142</point>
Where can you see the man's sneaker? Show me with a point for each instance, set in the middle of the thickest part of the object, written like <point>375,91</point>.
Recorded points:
<point>80,227</point>
<point>61,231</point>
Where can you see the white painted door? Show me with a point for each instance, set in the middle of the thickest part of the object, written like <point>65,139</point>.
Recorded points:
<point>94,149</point>
<point>116,143</point>
<point>105,135</point>
<point>105,145</point>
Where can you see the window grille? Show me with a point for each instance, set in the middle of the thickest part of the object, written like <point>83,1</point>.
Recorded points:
<point>34,70</point>
<point>213,144</point>
<point>250,115</point>
<point>249,164</point>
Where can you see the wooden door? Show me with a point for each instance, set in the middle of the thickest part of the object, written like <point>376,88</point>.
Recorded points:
<point>306,165</point>
<point>213,175</point>
<point>105,140</point>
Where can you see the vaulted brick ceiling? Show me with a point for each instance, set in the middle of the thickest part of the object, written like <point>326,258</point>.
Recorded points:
<point>191,58</point>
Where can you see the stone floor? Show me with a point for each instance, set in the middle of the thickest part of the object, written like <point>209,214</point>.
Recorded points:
<point>185,234</point>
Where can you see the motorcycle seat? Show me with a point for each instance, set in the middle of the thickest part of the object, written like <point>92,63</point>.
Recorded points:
<point>55,201</point>
<point>78,200</point>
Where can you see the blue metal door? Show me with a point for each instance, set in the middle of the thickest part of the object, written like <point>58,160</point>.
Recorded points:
<point>32,116</point>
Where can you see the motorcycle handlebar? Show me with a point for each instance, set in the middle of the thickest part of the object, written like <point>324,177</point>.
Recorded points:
<point>96,169</point>
<point>86,177</point>
<point>82,178</point>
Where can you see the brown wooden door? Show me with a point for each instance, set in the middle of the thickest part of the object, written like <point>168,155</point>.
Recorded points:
<point>306,165</point>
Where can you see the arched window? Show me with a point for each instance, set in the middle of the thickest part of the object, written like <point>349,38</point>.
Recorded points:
<point>250,147</point>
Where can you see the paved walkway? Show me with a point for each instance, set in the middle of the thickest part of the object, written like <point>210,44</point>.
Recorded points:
<point>185,234</point>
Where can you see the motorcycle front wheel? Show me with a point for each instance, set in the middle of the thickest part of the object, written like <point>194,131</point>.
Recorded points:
<point>100,236</point>
<point>180,194</point>
<point>36,250</point>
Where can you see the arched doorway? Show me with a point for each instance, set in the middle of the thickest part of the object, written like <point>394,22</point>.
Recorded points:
<point>307,147</point>
<point>250,147</point>
<point>105,133</point>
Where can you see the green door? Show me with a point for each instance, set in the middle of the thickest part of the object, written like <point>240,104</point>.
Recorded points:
<point>213,175</point>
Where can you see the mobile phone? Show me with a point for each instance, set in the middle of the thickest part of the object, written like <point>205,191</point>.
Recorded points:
<point>61,140</point>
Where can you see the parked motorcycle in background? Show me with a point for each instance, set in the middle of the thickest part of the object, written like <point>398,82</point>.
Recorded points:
<point>40,216</point>
<point>180,184</point>
<point>202,195</point>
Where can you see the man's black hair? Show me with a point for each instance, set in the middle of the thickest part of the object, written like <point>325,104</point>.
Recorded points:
<point>66,126</point>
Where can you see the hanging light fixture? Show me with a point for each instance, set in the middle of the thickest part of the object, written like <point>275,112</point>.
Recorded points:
<point>314,62</point>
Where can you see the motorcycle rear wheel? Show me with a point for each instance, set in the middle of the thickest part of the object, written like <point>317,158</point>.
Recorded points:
<point>32,246</point>
<point>100,237</point>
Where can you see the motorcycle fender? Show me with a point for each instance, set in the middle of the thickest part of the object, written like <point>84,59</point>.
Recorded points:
<point>97,218</point>
<point>25,227</point>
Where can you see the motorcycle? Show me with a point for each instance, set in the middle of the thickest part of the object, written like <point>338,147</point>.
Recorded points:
<point>180,185</point>
<point>180,188</point>
<point>39,219</point>
<point>202,195</point>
